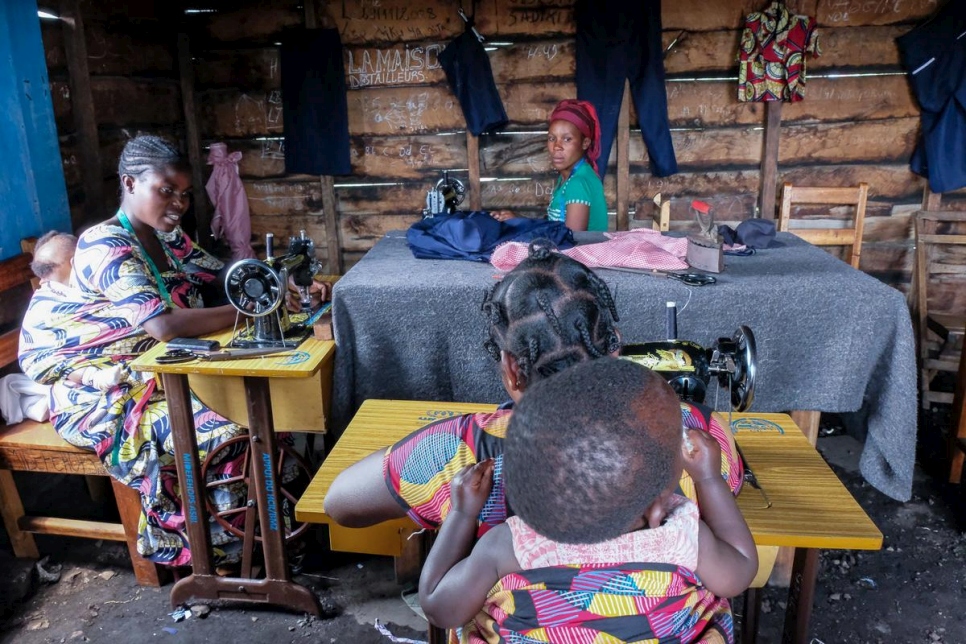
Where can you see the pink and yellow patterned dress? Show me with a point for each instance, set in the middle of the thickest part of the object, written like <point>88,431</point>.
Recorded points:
<point>639,587</point>
<point>98,322</point>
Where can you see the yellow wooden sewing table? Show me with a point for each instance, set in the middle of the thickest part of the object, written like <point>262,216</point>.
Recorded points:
<point>804,505</point>
<point>299,381</point>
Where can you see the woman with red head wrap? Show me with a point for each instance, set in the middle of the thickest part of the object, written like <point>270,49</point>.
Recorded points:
<point>573,143</point>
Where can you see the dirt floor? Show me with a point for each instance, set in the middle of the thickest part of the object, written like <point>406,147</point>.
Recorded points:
<point>913,590</point>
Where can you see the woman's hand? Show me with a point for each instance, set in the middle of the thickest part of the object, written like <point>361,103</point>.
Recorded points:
<point>319,292</point>
<point>703,462</point>
<point>471,487</point>
<point>502,215</point>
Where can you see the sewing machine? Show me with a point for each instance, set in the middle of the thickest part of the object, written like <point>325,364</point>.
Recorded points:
<point>445,197</point>
<point>688,367</point>
<point>258,290</point>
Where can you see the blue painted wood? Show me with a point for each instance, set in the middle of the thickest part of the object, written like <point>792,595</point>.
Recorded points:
<point>33,195</point>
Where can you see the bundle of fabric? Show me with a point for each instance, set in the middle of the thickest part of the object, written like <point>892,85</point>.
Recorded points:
<point>642,248</point>
<point>475,235</point>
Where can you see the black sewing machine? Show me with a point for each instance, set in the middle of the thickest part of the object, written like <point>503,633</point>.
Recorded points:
<point>688,367</point>
<point>445,197</point>
<point>258,290</point>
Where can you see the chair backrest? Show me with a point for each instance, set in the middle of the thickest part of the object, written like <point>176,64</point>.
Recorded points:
<point>827,236</point>
<point>662,216</point>
<point>934,230</point>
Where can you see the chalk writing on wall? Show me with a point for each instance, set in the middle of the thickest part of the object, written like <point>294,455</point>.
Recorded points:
<point>399,66</point>
<point>839,11</point>
<point>273,149</point>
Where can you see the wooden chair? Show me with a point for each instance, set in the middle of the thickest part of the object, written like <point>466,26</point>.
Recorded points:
<point>35,447</point>
<point>938,234</point>
<point>827,236</point>
<point>957,434</point>
<point>662,217</point>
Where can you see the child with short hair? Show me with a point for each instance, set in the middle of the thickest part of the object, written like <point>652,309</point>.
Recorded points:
<point>601,547</point>
<point>53,254</point>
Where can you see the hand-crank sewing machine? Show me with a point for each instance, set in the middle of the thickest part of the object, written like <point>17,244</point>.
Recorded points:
<point>258,290</point>
<point>445,197</point>
<point>688,367</point>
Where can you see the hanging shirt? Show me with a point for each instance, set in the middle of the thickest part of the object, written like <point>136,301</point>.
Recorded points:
<point>232,221</point>
<point>771,57</point>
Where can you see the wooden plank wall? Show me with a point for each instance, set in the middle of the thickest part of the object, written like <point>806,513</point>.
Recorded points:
<point>859,121</point>
<point>133,78</point>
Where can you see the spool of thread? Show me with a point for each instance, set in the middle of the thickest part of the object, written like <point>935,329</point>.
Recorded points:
<point>672,321</point>
<point>269,245</point>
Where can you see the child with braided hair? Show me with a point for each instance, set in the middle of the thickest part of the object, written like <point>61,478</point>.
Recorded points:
<point>549,313</point>
<point>600,547</point>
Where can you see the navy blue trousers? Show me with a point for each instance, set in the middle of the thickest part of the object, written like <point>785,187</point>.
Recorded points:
<point>315,113</point>
<point>618,40</point>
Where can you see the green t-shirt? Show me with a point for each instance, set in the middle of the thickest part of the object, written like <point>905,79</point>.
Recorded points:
<point>584,187</point>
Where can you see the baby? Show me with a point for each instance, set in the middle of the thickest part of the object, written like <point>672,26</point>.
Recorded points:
<point>600,547</point>
<point>53,256</point>
<point>52,263</point>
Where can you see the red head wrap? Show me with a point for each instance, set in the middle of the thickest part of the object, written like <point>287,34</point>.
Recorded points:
<point>583,115</point>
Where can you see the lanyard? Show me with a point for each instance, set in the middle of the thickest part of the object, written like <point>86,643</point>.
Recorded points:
<point>126,224</point>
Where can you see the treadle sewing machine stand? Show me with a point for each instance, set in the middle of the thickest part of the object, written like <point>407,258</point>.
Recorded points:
<point>277,588</point>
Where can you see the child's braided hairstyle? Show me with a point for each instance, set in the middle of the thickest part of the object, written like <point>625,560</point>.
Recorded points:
<point>148,152</point>
<point>550,312</point>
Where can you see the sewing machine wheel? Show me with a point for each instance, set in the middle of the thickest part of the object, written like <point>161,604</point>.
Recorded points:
<point>287,460</point>
<point>453,191</point>
<point>254,288</point>
<point>742,381</point>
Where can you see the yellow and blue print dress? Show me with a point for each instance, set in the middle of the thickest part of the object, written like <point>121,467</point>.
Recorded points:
<point>98,322</point>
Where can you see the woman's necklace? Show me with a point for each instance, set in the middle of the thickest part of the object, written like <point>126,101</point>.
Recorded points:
<point>162,288</point>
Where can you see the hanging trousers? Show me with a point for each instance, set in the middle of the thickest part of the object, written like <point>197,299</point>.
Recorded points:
<point>618,40</point>
<point>315,113</point>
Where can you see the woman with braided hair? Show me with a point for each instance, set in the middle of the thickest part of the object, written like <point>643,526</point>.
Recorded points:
<point>137,279</point>
<point>549,313</point>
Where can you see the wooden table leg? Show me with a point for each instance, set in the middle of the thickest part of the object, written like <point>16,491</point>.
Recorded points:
<point>801,596</point>
<point>749,622</point>
<point>278,588</point>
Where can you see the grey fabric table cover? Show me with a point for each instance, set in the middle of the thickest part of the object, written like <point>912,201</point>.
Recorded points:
<point>830,338</point>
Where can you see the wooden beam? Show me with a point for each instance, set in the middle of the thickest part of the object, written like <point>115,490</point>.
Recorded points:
<point>473,160</point>
<point>193,135</point>
<point>82,105</point>
<point>931,200</point>
<point>314,18</point>
<point>769,160</point>
<point>623,159</point>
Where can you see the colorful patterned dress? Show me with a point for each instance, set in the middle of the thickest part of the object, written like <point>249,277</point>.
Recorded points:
<point>98,322</point>
<point>419,468</point>
<point>639,587</point>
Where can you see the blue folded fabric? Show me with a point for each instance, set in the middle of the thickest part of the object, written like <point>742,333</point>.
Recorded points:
<point>475,235</point>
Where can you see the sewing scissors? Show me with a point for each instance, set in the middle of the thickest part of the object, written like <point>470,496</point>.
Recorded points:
<point>174,356</point>
<point>691,279</point>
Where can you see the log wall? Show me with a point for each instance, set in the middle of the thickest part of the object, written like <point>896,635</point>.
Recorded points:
<point>859,121</point>
<point>133,83</point>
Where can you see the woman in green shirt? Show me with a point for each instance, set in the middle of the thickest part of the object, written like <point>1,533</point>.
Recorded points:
<point>573,143</point>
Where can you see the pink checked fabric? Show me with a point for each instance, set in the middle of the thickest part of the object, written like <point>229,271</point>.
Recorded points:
<point>643,248</point>
<point>232,221</point>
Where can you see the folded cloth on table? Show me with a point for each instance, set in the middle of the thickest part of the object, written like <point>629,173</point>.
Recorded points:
<point>474,235</point>
<point>21,397</point>
<point>641,248</point>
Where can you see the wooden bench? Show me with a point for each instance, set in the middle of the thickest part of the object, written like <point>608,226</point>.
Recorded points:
<point>35,447</point>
